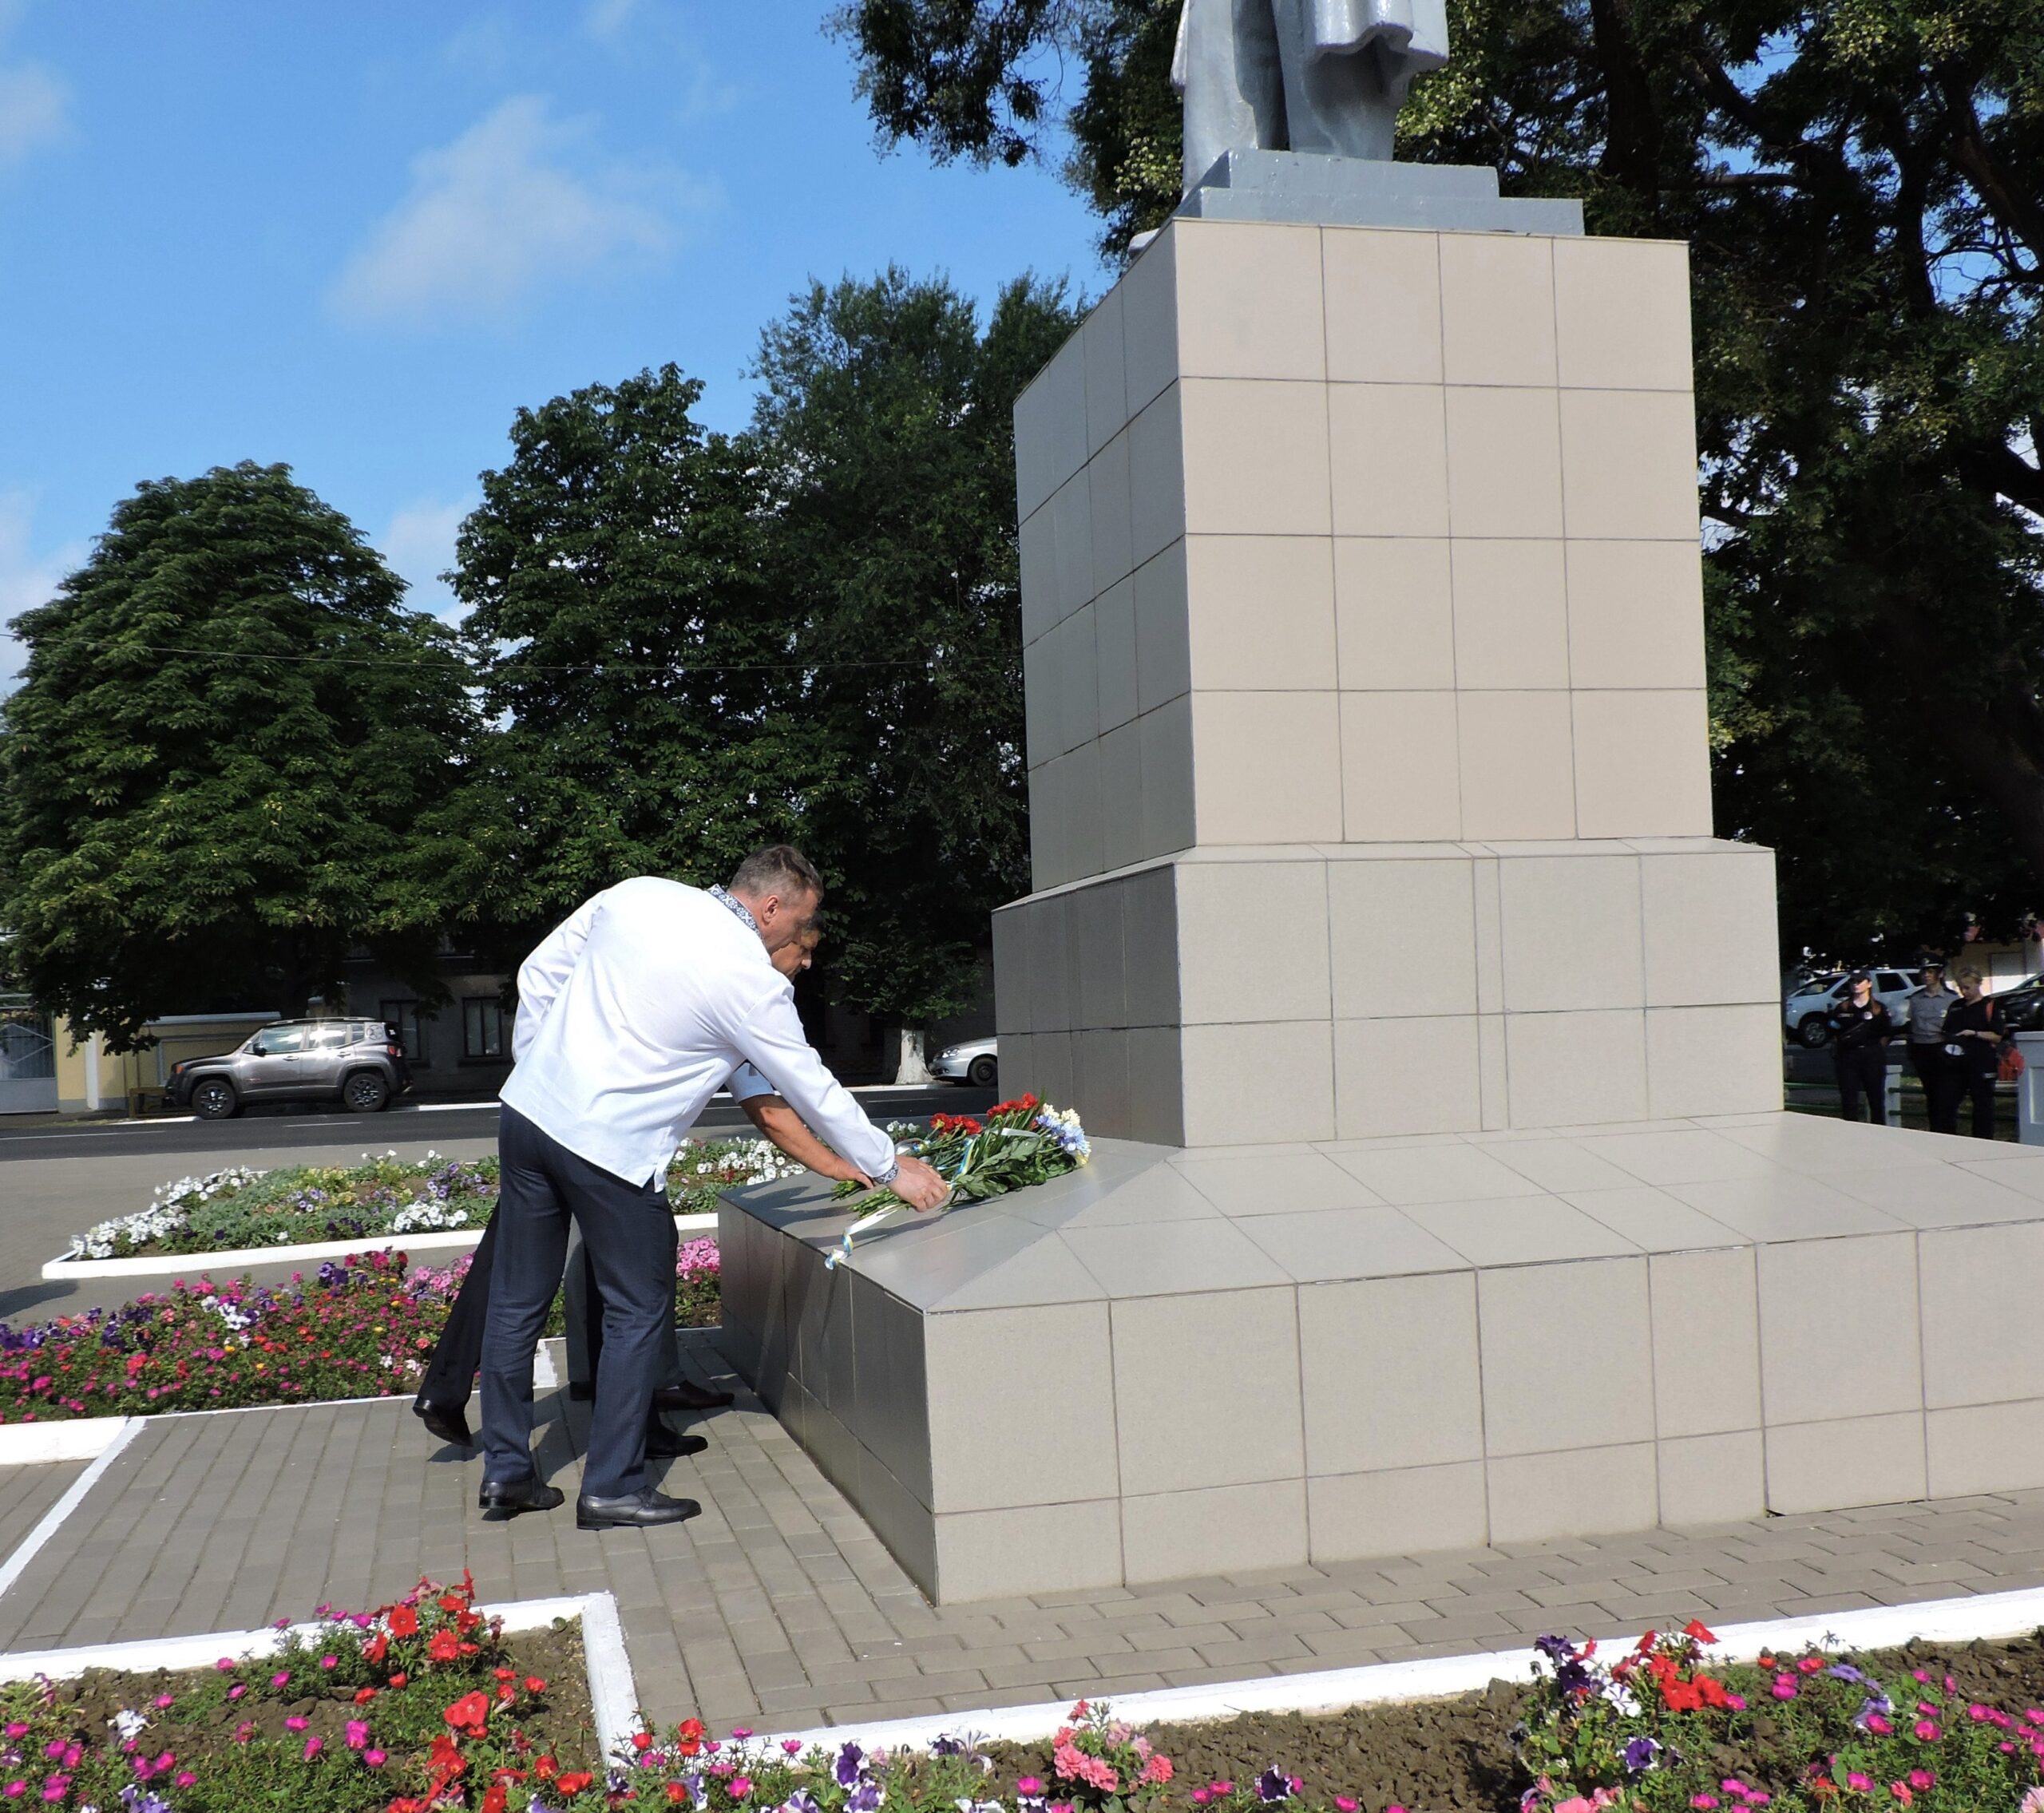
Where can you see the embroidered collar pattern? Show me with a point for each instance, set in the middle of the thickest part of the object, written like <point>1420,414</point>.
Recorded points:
<point>724,897</point>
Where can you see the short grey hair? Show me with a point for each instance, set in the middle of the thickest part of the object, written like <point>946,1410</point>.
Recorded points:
<point>777,868</point>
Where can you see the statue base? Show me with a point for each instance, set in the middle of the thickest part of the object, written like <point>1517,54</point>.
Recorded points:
<point>1313,189</point>
<point>1177,1363</point>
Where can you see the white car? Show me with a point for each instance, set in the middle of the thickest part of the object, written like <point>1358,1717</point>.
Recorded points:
<point>977,1061</point>
<point>1803,1014</point>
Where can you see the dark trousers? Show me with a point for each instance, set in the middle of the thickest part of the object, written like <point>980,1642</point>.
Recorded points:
<point>1978,1085</point>
<point>1942,1085</point>
<point>585,1304</point>
<point>449,1376</point>
<point>1863,1071</point>
<point>630,1234</point>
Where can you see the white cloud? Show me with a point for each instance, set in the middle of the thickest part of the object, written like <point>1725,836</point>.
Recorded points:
<point>34,110</point>
<point>27,579</point>
<point>419,545</point>
<point>604,19</point>
<point>512,206</point>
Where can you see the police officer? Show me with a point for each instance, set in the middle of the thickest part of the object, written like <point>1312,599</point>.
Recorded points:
<point>1927,1009</point>
<point>1860,1029</point>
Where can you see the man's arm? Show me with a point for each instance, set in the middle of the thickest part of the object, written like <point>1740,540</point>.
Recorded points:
<point>780,1123</point>
<point>772,1039</point>
<point>544,974</point>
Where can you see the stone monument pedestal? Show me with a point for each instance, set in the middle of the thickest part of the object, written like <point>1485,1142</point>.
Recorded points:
<point>1430,1040</point>
<point>1182,1363</point>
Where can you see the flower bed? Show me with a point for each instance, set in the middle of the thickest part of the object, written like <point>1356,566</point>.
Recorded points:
<point>422,1703</point>
<point>361,1328</point>
<point>1657,1729</point>
<point>232,1210</point>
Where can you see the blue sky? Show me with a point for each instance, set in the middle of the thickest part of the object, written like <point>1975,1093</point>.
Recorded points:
<point>356,238</point>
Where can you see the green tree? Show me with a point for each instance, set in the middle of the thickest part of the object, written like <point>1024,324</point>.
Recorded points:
<point>234,755</point>
<point>811,630</point>
<point>984,80</point>
<point>645,671</point>
<point>885,434</point>
<point>1862,185</point>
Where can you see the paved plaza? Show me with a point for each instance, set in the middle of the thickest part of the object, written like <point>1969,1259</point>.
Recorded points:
<point>778,1609</point>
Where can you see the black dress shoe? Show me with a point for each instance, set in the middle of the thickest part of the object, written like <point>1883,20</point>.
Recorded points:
<point>663,1443</point>
<point>506,1497</point>
<point>444,1420</point>
<point>637,1510</point>
<point>689,1395</point>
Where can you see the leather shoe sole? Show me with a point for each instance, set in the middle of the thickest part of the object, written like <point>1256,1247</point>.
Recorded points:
<point>641,1511</point>
<point>663,1443</point>
<point>499,1498</point>
<point>445,1421</point>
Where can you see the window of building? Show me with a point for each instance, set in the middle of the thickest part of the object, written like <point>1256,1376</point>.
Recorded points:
<point>482,1026</point>
<point>405,1016</point>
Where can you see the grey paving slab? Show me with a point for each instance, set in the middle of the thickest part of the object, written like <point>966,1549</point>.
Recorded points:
<point>26,1494</point>
<point>778,1607</point>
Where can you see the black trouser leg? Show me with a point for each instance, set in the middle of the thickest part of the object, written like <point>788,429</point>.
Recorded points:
<point>1933,1071</point>
<point>531,1224</point>
<point>1862,1072</point>
<point>628,1235</point>
<point>1980,1086</point>
<point>585,1325</point>
<point>450,1374</point>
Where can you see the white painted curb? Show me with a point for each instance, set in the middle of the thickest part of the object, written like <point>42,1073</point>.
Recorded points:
<point>85,1438</point>
<point>36,1444</point>
<point>190,1265</point>
<point>1983,1616</point>
<point>612,1689</point>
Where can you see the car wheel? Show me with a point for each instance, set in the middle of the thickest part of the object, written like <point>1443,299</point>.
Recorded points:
<point>1814,1031</point>
<point>982,1072</point>
<point>213,1098</point>
<point>366,1093</point>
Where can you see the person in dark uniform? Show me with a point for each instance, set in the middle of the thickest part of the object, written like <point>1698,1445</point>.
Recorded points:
<point>1860,1029</point>
<point>1973,1042</point>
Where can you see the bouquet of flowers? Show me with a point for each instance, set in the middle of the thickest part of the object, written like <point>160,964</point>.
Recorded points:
<point>1019,1143</point>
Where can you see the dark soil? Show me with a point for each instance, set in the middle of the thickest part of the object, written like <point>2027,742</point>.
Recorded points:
<point>1434,1754</point>
<point>566,1723</point>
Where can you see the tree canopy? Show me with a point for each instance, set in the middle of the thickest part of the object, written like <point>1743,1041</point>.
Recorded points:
<point>630,647</point>
<point>1862,185</point>
<point>233,756</point>
<point>809,631</point>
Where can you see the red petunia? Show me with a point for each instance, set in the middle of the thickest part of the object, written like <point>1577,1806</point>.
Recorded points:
<point>469,1713</point>
<point>444,1646</point>
<point>404,1621</point>
<point>575,1782</point>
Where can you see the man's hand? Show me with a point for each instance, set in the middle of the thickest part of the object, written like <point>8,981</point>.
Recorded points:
<point>919,1185</point>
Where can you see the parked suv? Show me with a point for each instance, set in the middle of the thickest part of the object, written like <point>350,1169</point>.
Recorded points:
<point>359,1062</point>
<point>1803,1013</point>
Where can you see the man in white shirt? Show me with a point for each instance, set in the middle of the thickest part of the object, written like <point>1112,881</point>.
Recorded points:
<point>631,1014</point>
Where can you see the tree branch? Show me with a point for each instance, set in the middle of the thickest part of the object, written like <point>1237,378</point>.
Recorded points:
<point>2020,213</point>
